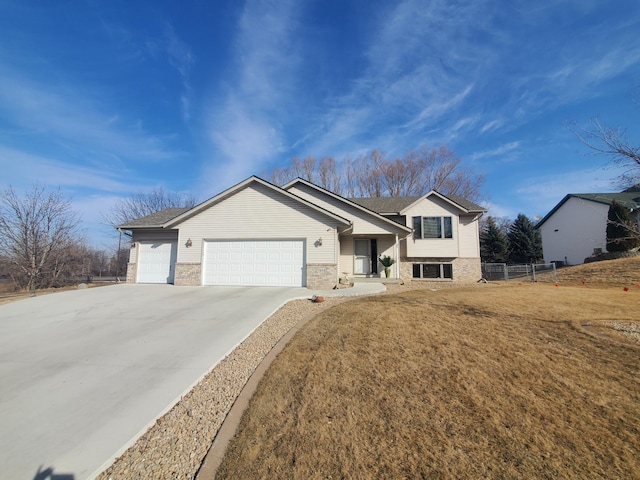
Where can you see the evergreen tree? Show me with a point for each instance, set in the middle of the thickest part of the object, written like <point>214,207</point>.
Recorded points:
<point>493,243</point>
<point>525,242</point>
<point>621,236</point>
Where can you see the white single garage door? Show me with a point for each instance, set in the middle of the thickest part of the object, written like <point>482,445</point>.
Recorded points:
<point>156,262</point>
<point>254,262</point>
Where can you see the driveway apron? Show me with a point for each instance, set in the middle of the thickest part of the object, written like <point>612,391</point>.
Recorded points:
<point>84,372</point>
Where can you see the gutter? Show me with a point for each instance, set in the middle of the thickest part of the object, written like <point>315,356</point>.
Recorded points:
<point>123,232</point>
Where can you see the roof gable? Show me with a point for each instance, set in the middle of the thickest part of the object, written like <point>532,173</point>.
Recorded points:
<point>347,202</point>
<point>236,188</point>
<point>459,203</point>
<point>171,217</point>
<point>399,205</point>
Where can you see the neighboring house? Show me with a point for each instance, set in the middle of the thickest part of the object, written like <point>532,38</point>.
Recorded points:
<point>256,233</point>
<point>576,228</point>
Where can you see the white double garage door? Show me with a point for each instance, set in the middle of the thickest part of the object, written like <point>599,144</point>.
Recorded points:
<point>231,262</point>
<point>254,262</point>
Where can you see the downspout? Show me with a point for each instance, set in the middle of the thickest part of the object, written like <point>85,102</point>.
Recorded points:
<point>336,253</point>
<point>398,257</point>
<point>350,229</point>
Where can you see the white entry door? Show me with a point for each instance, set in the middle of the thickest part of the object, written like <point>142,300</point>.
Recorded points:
<point>362,256</point>
<point>254,262</point>
<point>156,262</point>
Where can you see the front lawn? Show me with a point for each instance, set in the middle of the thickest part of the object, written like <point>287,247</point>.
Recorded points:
<point>525,381</point>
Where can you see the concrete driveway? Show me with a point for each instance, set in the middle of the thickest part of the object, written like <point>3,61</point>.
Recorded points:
<point>84,372</point>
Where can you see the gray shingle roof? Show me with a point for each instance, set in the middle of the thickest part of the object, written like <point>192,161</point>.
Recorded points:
<point>156,219</point>
<point>397,204</point>
<point>463,202</point>
<point>630,199</point>
<point>635,188</point>
<point>385,204</point>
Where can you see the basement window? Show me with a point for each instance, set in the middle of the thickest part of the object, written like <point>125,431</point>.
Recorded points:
<point>433,271</point>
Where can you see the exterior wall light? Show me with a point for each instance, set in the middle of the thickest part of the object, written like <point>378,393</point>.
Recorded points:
<point>188,243</point>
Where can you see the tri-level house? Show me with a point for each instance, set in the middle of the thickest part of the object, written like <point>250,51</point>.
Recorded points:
<point>256,233</point>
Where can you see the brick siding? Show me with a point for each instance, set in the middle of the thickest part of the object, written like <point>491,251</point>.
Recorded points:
<point>464,269</point>
<point>132,272</point>
<point>188,274</point>
<point>321,276</point>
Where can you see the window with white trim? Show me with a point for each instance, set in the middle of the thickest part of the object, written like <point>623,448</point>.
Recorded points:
<point>432,227</point>
<point>432,271</point>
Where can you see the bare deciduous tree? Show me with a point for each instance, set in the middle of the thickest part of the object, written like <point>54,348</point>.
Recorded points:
<point>349,181</point>
<point>279,176</point>
<point>614,143</point>
<point>36,231</point>
<point>397,176</point>
<point>373,175</point>
<point>328,177</point>
<point>141,204</point>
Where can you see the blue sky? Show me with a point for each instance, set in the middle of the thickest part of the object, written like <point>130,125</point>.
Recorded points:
<point>108,98</point>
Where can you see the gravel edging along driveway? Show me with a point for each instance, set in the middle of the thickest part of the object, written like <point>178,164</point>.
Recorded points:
<point>176,445</point>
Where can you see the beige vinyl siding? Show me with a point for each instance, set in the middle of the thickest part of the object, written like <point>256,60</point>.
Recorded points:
<point>387,246</point>
<point>435,247</point>
<point>363,222</point>
<point>469,236</point>
<point>257,212</point>
<point>346,255</point>
<point>151,235</point>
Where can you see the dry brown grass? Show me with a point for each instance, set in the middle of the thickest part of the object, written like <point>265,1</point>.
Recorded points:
<point>9,294</point>
<point>621,272</point>
<point>522,381</point>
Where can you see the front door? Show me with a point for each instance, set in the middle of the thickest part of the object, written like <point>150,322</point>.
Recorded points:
<point>362,256</point>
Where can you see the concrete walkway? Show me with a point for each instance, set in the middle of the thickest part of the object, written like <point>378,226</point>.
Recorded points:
<point>86,372</point>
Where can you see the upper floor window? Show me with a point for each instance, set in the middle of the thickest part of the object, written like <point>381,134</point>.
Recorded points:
<point>432,227</point>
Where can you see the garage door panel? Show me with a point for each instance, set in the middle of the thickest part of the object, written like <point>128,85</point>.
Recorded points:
<point>156,262</point>
<point>254,262</point>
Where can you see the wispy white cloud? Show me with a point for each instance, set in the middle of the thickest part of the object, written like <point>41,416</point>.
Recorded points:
<point>432,112</point>
<point>414,81</point>
<point>491,125</point>
<point>244,125</point>
<point>432,73</point>
<point>246,140</point>
<point>182,59</point>
<point>28,168</point>
<point>64,113</point>
<point>575,63</point>
<point>508,149</point>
